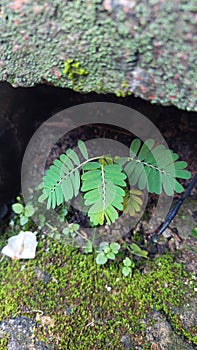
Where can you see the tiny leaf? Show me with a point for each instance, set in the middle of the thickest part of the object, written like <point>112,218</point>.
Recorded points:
<point>23,220</point>
<point>127,262</point>
<point>101,258</point>
<point>17,208</point>
<point>29,210</point>
<point>42,198</point>
<point>88,248</point>
<point>83,149</point>
<point>115,247</point>
<point>134,147</point>
<point>111,255</point>
<point>136,250</point>
<point>126,271</point>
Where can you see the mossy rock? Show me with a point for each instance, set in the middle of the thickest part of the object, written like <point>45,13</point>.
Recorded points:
<point>70,302</point>
<point>121,47</point>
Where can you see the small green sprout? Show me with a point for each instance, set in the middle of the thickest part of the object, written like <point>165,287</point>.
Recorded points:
<point>128,266</point>
<point>88,248</point>
<point>70,229</point>
<point>107,251</point>
<point>24,212</point>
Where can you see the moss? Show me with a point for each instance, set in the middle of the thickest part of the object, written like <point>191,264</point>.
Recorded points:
<point>4,342</point>
<point>83,314</point>
<point>124,90</point>
<point>74,72</point>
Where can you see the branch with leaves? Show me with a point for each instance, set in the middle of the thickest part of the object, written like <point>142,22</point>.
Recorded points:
<point>108,183</point>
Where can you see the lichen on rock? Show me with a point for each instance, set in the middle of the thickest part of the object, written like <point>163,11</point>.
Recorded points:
<point>149,45</point>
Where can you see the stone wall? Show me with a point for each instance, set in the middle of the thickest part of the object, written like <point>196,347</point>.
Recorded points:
<point>120,46</point>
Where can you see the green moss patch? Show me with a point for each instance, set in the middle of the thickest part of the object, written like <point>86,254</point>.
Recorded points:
<point>81,305</point>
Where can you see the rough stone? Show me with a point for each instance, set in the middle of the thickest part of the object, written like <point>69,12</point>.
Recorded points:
<point>162,335</point>
<point>123,47</point>
<point>127,342</point>
<point>20,330</point>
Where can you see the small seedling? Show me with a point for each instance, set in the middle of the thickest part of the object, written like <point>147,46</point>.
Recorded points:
<point>107,251</point>
<point>88,248</point>
<point>128,266</point>
<point>63,213</point>
<point>71,229</point>
<point>69,232</point>
<point>24,212</point>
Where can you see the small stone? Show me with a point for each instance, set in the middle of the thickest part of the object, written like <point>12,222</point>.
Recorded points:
<point>42,275</point>
<point>127,342</point>
<point>108,288</point>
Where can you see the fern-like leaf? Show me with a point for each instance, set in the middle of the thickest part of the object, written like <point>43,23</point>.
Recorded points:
<point>104,193</point>
<point>133,202</point>
<point>154,167</point>
<point>62,180</point>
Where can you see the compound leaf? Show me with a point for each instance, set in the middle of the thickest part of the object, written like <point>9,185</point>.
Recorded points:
<point>61,181</point>
<point>132,202</point>
<point>155,167</point>
<point>103,187</point>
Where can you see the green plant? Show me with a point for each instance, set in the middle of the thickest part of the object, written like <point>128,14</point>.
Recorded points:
<point>69,231</point>
<point>24,212</point>
<point>88,247</point>
<point>107,251</point>
<point>136,250</point>
<point>108,188</point>
<point>105,181</point>
<point>128,266</point>
<point>63,213</point>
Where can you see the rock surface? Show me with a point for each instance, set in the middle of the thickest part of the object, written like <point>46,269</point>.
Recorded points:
<point>118,46</point>
<point>162,336</point>
<point>20,330</point>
